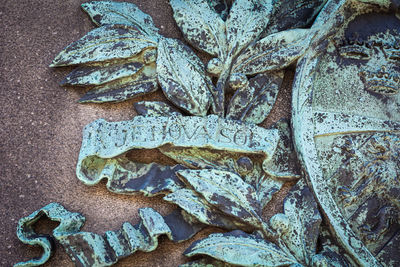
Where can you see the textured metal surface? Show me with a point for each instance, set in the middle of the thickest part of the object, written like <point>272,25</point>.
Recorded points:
<point>253,101</point>
<point>345,118</point>
<point>230,169</point>
<point>296,231</point>
<point>155,108</point>
<point>118,57</point>
<point>102,141</point>
<point>182,77</point>
<point>230,246</point>
<point>90,249</point>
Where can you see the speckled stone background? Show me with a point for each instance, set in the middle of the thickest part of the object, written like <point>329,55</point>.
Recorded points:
<point>41,125</point>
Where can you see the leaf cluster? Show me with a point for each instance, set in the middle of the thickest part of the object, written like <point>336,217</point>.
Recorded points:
<point>252,41</point>
<point>255,38</point>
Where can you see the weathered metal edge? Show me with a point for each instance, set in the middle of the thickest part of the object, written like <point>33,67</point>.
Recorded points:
<point>302,123</point>
<point>103,140</point>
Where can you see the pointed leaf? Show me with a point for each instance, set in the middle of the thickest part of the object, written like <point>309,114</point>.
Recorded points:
<point>246,21</point>
<point>254,102</point>
<point>288,14</point>
<point>104,43</point>
<point>182,77</point>
<point>330,18</point>
<point>201,26</point>
<point>104,12</point>
<point>242,249</point>
<point>301,223</point>
<point>331,15</point>
<point>274,52</point>
<point>193,204</point>
<point>247,166</point>
<point>283,164</point>
<point>266,86</point>
<point>227,191</point>
<point>96,75</point>
<point>120,90</point>
<point>155,108</point>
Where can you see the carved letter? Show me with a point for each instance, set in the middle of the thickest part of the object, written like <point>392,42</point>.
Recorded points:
<point>240,138</point>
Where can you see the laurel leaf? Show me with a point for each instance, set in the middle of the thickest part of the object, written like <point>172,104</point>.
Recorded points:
<point>206,262</point>
<point>148,179</point>
<point>143,82</point>
<point>104,12</point>
<point>201,25</point>
<point>273,52</point>
<point>252,103</point>
<point>227,191</point>
<point>242,249</point>
<point>96,75</point>
<point>246,21</point>
<point>182,77</point>
<point>104,43</point>
<point>200,158</point>
<point>195,205</point>
<point>299,225</point>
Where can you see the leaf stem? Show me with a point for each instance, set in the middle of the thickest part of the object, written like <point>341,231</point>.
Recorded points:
<point>219,94</point>
<point>268,234</point>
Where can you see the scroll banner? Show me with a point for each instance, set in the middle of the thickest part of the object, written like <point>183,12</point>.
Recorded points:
<point>104,141</point>
<point>88,249</point>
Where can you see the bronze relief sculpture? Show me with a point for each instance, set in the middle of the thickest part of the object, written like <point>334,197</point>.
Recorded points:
<point>343,209</point>
<point>346,123</point>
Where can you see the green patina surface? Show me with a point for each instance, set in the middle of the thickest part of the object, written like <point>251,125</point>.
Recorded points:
<point>345,121</point>
<point>346,126</point>
<point>126,57</point>
<point>89,249</point>
<point>103,141</point>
